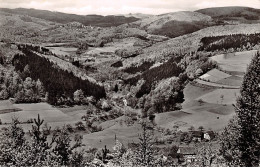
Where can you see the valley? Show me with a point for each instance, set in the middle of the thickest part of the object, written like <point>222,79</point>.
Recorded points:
<point>102,80</point>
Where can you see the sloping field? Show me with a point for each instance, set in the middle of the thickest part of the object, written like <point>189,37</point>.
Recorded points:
<point>192,92</point>
<point>6,107</point>
<point>28,111</point>
<point>106,137</point>
<point>234,61</point>
<point>203,118</point>
<point>221,96</point>
<point>232,81</point>
<point>216,85</point>
<point>214,75</point>
<point>167,117</point>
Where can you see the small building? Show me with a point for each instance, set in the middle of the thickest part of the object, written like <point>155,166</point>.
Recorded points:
<point>197,136</point>
<point>209,135</point>
<point>188,153</point>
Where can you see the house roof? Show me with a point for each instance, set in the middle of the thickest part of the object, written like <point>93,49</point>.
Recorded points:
<point>197,134</point>
<point>187,150</point>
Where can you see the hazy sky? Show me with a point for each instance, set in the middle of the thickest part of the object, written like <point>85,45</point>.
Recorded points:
<point>106,7</point>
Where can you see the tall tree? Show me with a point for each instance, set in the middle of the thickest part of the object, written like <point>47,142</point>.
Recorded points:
<point>248,116</point>
<point>144,154</point>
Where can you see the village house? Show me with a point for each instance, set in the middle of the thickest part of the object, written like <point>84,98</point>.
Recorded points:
<point>197,136</point>
<point>188,153</point>
<point>209,135</point>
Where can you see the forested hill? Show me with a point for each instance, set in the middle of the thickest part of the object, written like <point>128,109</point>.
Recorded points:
<point>233,41</point>
<point>60,84</point>
<point>234,11</point>
<point>93,20</point>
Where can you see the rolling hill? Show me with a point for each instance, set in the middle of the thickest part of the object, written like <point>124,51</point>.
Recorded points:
<point>235,14</point>
<point>137,15</point>
<point>94,20</point>
<point>19,28</point>
<point>174,24</point>
<point>156,22</point>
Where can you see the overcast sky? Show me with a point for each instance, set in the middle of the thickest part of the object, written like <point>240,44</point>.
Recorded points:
<point>106,7</point>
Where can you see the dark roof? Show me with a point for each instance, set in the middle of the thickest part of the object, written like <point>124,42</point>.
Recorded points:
<point>187,150</point>
<point>197,134</point>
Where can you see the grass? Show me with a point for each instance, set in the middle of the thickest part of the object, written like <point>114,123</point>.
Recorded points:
<point>215,75</point>
<point>221,96</point>
<point>233,81</point>
<point>62,50</point>
<point>7,107</point>
<point>238,61</point>
<point>192,92</point>
<point>106,137</point>
<point>46,111</point>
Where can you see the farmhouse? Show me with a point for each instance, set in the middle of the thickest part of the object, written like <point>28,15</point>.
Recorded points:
<point>209,135</point>
<point>188,153</point>
<point>197,136</point>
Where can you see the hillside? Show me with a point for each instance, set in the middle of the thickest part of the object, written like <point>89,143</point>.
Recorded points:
<point>188,43</point>
<point>21,28</point>
<point>94,20</point>
<point>235,14</point>
<point>137,15</point>
<point>183,22</point>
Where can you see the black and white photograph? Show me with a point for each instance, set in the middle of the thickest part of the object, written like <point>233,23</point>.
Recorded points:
<point>129,83</point>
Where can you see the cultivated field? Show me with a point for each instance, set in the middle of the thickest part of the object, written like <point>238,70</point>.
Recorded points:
<point>51,115</point>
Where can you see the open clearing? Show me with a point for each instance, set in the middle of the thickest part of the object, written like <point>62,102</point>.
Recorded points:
<point>221,96</point>
<point>125,134</point>
<point>113,46</point>
<point>214,75</point>
<point>6,107</point>
<point>206,119</point>
<point>51,115</point>
<point>232,81</point>
<point>192,91</point>
<point>216,85</point>
<point>62,51</point>
<point>237,61</point>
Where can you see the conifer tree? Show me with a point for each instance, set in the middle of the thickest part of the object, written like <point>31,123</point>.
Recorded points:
<point>248,111</point>
<point>144,154</point>
<point>247,131</point>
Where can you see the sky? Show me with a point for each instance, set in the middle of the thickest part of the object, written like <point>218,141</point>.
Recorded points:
<point>109,7</point>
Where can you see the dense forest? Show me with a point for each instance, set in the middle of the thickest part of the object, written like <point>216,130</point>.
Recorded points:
<point>180,28</point>
<point>135,69</point>
<point>166,70</point>
<point>60,84</point>
<point>225,42</point>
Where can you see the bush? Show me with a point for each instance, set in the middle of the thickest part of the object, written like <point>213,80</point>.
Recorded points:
<point>117,64</point>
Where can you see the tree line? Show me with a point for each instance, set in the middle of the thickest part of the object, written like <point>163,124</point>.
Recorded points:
<point>226,42</point>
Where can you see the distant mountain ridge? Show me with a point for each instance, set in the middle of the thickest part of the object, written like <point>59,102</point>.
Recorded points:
<point>232,12</point>
<point>171,25</point>
<point>64,18</point>
<point>137,15</point>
